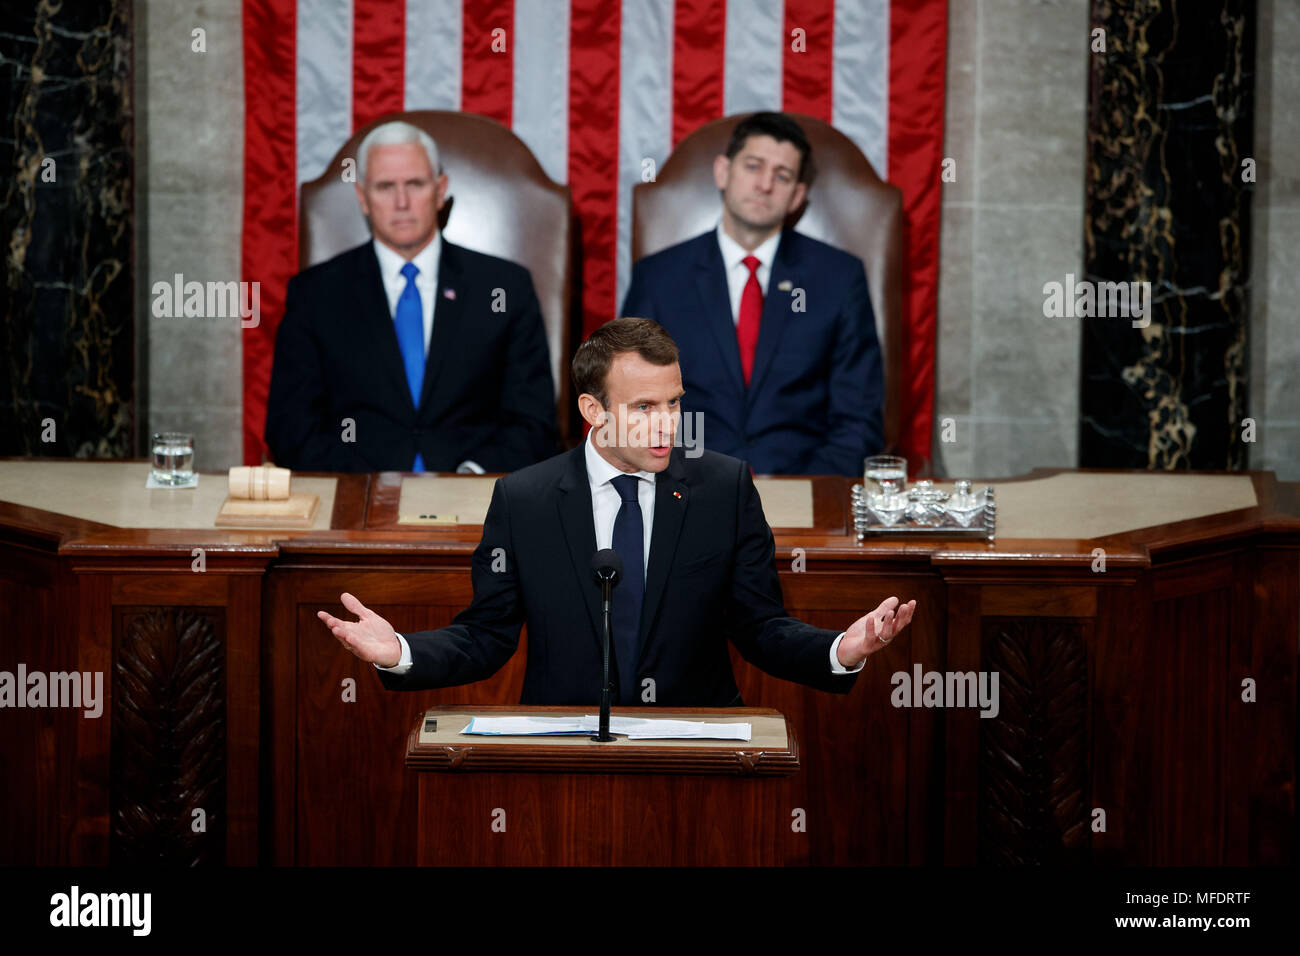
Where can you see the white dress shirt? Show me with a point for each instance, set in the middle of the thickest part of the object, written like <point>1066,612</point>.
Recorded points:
<point>426,280</point>
<point>426,283</point>
<point>605,503</point>
<point>733,261</point>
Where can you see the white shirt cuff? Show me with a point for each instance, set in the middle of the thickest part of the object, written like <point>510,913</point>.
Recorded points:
<point>468,467</point>
<point>404,663</point>
<point>836,666</point>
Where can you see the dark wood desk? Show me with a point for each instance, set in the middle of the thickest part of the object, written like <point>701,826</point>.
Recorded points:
<point>569,801</point>
<point>1122,735</point>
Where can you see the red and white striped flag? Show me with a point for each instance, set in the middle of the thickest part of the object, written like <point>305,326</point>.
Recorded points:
<point>593,87</point>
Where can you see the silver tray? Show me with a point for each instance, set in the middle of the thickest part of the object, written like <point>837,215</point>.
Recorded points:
<point>983,525</point>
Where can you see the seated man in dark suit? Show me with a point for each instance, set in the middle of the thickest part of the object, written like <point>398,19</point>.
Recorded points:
<point>409,353</point>
<point>777,334</point>
<point>698,558</point>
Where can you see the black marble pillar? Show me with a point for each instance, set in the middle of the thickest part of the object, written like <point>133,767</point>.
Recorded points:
<point>66,362</point>
<point>1170,121</point>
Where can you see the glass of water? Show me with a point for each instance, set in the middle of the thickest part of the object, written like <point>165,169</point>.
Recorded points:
<point>173,458</point>
<point>879,469</point>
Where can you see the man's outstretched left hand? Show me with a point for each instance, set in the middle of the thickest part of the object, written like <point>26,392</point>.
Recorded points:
<point>873,631</point>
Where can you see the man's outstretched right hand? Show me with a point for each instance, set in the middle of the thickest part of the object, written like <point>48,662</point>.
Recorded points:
<point>370,637</point>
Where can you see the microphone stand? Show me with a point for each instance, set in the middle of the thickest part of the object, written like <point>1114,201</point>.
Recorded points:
<point>606,586</point>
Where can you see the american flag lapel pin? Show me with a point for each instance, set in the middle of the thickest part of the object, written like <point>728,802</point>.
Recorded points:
<point>449,294</point>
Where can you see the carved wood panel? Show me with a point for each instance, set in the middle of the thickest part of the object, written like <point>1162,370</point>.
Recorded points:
<point>1033,766</point>
<point>168,736</point>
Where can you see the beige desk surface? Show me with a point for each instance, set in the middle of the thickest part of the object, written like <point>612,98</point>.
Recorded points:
<point>1068,505</point>
<point>462,497</point>
<point>1092,505</point>
<point>114,493</point>
<point>766,732</point>
<point>787,503</point>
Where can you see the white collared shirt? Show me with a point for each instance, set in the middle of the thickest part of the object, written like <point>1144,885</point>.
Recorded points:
<point>426,280</point>
<point>733,262</point>
<point>426,283</point>
<point>605,503</point>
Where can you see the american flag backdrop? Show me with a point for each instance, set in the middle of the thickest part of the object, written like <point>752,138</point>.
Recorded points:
<point>592,87</point>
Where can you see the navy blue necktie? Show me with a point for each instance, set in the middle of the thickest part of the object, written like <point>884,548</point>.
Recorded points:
<point>409,321</point>
<point>629,542</point>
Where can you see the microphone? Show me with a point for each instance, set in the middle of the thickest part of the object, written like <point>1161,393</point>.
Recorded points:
<point>607,569</point>
<point>606,565</point>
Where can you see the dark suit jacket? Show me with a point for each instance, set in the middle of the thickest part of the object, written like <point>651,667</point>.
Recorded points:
<point>813,405</point>
<point>487,396</point>
<point>712,578</point>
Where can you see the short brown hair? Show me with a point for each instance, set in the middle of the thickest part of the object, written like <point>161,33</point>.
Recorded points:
<point>591,364</point>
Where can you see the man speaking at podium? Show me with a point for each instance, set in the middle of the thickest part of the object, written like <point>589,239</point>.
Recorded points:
<point>698,561</point>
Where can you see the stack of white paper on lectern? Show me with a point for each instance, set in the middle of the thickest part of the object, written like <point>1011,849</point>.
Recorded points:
<point>634,728</point>
<point>655,728</point>
<point>524,726</point>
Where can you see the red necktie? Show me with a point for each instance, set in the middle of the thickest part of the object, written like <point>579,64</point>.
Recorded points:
<point>751,310</point>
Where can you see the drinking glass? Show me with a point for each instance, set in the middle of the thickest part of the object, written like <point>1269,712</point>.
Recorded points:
<point>173,458</point>
<point>883,468</point>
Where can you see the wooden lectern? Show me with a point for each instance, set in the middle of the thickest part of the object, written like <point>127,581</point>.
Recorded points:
<point>569,801</point>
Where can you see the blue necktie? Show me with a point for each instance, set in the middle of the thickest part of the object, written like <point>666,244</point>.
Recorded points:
<point>410,339</point>
<point>629,542</point>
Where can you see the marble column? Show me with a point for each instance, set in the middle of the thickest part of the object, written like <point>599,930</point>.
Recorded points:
<point>1170,124</point>
<point>67,357</point>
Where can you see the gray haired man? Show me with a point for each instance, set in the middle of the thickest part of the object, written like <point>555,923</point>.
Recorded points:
<point>408,352</point>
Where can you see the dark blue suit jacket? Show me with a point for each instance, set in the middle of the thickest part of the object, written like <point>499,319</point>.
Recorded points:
<point>712,578</point>
<point>814,401</point>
